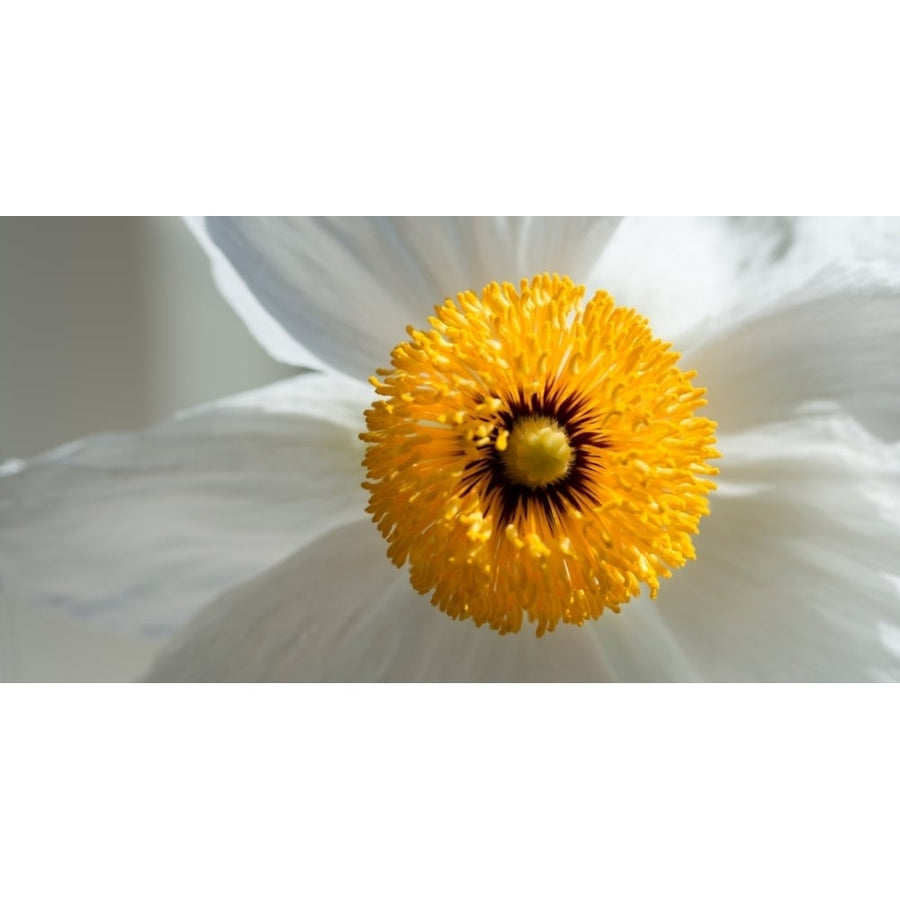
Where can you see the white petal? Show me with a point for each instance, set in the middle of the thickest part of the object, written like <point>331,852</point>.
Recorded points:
<point>834,339</point>
<point>339,611</point>
<point>681,272</point>
<point>793,581</point>
<point>138,531</point>
<point>796,576</point>
<point>339,293</point>
<point>850,238</point>
<point>638,645</point>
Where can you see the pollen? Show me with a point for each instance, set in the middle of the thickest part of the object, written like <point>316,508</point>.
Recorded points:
<point>535,457</point>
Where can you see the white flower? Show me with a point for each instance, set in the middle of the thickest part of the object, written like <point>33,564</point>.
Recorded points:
<point>791,326</point>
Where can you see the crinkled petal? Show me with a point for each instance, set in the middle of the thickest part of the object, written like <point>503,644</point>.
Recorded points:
<point>683,272</point>
<point>834,339</point>
<point>849,238</point>
<point>138,531</point>
<point>338,610</point>
<point>797,570</point>
<point>339,293</point>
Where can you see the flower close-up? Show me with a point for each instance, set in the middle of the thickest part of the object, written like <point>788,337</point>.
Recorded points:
<point>520,449</point>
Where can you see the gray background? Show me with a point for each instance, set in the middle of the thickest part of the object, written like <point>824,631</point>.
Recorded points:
<point>105,324</point>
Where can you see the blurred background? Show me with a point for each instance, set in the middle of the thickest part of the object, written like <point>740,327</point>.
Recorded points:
<point>106,324</point>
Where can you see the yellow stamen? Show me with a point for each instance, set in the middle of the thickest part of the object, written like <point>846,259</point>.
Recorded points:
<point>536,456</point>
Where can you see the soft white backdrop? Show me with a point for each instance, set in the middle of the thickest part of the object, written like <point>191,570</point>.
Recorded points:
<point>105,324</point>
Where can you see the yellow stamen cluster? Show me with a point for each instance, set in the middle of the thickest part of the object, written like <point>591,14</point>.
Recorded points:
<point>536,456</point>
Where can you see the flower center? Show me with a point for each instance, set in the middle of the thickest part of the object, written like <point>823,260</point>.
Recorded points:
<point>532,456</point>
<point>537,452</point>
